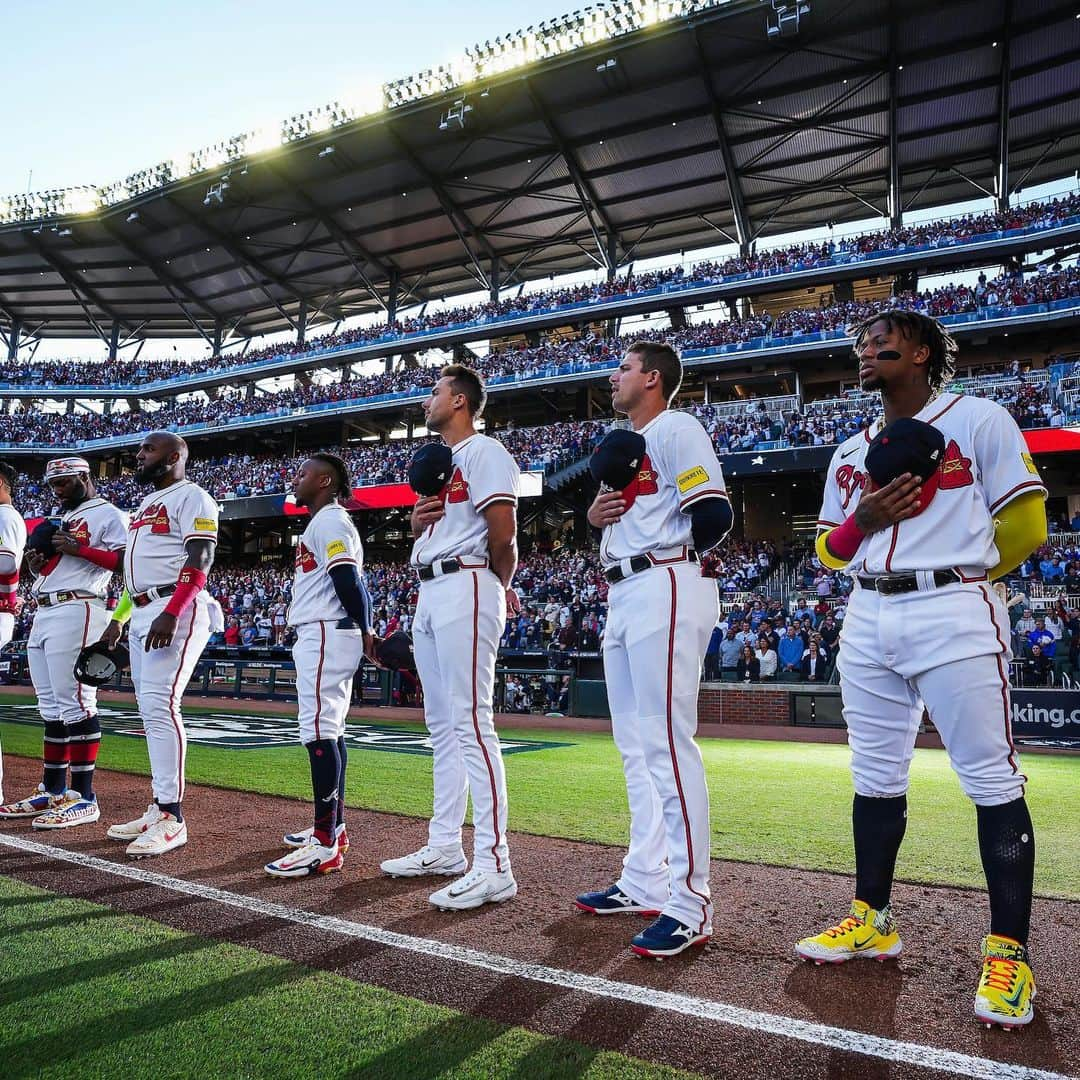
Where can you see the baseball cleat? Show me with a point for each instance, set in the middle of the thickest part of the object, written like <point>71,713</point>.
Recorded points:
<point>1007,987</point>
<point>864,933</point>
<point>475,888</point>
<point>428,860</point>
<point>312,858</point>
<point>74,810</point>
<point>667,937</point>
<point>31,806</point>
<point>303,838</point>
<point>129,830</point>
<point>163,835</point>
<point>612,901</point>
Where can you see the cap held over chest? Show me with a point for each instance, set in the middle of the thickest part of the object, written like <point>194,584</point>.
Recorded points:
<point>429,470</point>
<point>910,446</point>
<point>616,461</point>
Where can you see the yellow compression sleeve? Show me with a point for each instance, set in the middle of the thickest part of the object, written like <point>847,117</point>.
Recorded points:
<point>833,562</point>
<point>124,608</point>
<point>1019,528</point>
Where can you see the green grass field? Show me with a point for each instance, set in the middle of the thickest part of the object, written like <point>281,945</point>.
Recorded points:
<point>87,992</point>
<point>782,803</point>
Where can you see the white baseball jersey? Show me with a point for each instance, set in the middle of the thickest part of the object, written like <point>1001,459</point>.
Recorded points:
<point>13,543</point>
<point>679,469</point>
<point>985,466</point>
<point>329,540</point>
<point>95,523</point>
<point>484,473</point>
<point>159,530</point>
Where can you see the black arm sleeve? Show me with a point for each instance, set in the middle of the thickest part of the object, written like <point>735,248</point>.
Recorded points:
<point>353,594</point>
<point>710,522</point>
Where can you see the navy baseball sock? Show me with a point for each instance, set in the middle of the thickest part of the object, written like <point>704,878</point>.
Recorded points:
<point>325,775</point>
<point>1007,848</point>
<point>84,739</point>
<point>55,753</point>
<point>343,754</point>
<point>878,826</point>
<point>171,808</point>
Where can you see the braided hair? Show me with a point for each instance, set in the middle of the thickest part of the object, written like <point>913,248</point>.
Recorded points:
<point>922,329</point>
<point>339,469</point>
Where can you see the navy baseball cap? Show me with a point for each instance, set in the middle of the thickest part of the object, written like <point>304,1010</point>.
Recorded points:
<point>429,470</point>
<point>616,461</point>
<point>911,446</point>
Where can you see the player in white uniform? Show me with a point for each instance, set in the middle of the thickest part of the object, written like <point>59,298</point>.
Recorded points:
<point>465,554</point>
<point>70,590</point>
<point>925,627</point>
<point>332,615</point>
<point>12,545</point>
<point>170,548</point>
<point>661,615</point>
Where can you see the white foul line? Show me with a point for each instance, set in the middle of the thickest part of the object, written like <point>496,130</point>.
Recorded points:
<point>854,1042</point>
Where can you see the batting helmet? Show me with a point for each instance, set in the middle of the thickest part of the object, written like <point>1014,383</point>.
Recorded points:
<point>907,446</point>
<point>40,540</point>
<point>429,470</point>
<point>97,664</point>
<point>616,461</point>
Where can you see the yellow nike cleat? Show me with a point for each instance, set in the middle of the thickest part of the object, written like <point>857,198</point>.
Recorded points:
<point>864,932</point>
<point>1007,987</point>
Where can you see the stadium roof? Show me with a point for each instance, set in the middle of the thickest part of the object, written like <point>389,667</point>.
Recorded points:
<point>629,144</point>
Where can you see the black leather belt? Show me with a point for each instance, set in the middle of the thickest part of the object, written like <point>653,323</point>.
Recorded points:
<point>891,584</point>
<point>448,566</point>
<point>50,599</point>
<point>642,562</point>
<point>148,597</point>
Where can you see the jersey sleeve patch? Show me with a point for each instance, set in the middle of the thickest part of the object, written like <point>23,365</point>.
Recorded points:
<point>691,478</point>
<point>335,547</point>
<point>205,525</point>
<point>1029,463</point>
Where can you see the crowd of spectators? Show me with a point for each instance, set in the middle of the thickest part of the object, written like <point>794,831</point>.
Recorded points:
<point>30,426</point>
<point>784,259</point>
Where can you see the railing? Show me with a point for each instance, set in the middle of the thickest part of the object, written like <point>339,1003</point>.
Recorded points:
<point>773,407</point>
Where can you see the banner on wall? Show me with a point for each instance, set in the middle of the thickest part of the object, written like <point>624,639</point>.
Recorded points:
<point>1046,717</point>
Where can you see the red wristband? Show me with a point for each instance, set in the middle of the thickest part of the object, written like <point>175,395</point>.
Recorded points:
<point>188,585</point>
<point>107,560</point>
<point>844,540</point>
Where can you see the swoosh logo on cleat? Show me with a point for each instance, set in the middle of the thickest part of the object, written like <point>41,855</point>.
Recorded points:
<point>1014,1000</point>
<point>866,941</point>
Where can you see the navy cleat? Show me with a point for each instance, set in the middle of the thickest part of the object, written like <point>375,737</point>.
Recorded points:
<point>612,901</point>
<point>667,937</point>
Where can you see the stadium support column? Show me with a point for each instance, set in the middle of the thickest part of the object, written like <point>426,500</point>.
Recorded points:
<point>493,279</point>
<point>392,297</point>
<point>219,331</point>
<point>612,255</point>
<point>895,194</point>
<point>1003,112</point>
<point>114,341</point>
<point>13,341</point>
<point>301,323</point>
<point>677,315</point>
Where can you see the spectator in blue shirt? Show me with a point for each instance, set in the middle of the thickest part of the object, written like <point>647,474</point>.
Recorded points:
<point>791,653</point>
<point>1042,637</point>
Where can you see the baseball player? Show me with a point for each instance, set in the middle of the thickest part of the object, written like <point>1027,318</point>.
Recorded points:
<point>170,548</point>
<point>673,507</point>
<point>924,621</point>
<point>465,555</point>
<point>69,587</point>
<point>331,612</point>
<point>12,544</point>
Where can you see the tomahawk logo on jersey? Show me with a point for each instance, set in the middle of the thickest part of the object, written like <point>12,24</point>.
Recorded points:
<point>985,466</point>
<point>329,540</point>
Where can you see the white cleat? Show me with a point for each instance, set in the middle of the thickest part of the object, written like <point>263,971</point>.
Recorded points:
<point>475,888</point>
<point>129,830</point>
<point>427,861</point>
<point>164,835</point>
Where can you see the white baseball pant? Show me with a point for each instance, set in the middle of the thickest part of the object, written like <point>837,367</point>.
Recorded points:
<point>7,631</point>
<point>947,648</point>
<point>459,620</point>
<point>161,677</point>
<point>57,637</point>
<point>659,624</point>
<point>326,660</point>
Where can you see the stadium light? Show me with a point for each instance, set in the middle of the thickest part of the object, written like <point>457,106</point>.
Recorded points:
<point>598,22</point>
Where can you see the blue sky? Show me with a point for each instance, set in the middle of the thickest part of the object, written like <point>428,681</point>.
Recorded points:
<point>93,92</point>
